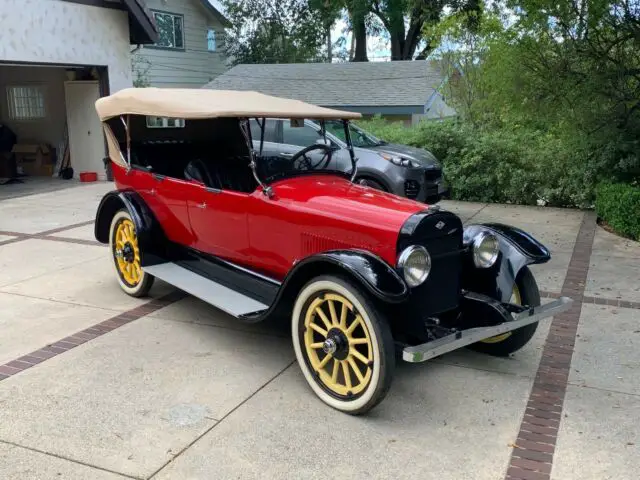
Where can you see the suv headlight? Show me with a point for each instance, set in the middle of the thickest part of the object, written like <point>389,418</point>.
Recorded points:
<point>485,249</point>
<point>402,162</point>
<point>415,263</point>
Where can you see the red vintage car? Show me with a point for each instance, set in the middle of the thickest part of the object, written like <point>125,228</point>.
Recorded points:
<point>365,277</point>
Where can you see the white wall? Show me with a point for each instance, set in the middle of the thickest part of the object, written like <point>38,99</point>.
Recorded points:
<point>54,31</point>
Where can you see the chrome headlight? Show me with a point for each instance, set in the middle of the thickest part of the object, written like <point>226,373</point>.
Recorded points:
<point>485,249</point>
<point>415,263</point>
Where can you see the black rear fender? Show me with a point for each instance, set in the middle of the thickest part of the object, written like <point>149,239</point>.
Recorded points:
<point>517,250</point>
<point>151,237</point>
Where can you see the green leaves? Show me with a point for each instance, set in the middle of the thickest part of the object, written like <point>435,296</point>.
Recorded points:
<point>510,165</point>
<point>619,206</point>
<point>273,31</point>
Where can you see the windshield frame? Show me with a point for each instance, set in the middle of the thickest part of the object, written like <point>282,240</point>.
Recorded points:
<point>256,155</point>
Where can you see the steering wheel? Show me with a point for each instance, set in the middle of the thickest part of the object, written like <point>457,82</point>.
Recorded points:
<point>307,161</point>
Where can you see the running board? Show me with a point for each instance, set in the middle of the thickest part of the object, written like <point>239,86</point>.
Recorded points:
<point>218,295</point>
<point>462,338</point>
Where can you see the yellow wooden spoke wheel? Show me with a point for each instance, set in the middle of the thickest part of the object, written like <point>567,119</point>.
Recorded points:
<point>516,298</point>
<point>125,249</point>
<point>338,345</point>
<point>525,292</point>
<point>128,253</point>
<point>343,345</point>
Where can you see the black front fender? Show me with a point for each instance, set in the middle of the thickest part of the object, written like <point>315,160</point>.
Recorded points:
<point>367,270</point>
<point>150,234</point>
<point>517,250</point>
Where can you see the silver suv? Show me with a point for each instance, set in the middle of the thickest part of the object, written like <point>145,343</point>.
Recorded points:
<point>405,171</point>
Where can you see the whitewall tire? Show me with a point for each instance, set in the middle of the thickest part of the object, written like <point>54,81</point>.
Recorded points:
<point>343,345</point>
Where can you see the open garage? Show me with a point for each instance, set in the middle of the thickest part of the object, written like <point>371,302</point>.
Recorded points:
<point>56,60</point>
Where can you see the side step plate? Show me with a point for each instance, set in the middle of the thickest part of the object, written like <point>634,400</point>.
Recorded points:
<point>224,298</point>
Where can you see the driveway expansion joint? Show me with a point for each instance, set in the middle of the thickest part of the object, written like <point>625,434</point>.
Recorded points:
<point>224,417</point>
<point>61,457</point>
<point>532,455</point>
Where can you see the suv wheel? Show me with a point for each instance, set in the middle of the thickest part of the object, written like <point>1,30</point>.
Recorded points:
<point>367,182</point>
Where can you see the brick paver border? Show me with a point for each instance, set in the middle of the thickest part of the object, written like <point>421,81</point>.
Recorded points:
<point>532,455</point>
<point>25,362</point>
<point>612,302</point>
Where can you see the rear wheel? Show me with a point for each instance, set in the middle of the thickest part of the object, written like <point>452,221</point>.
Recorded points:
<point>343,346</point>
<point>123,242</point>
<point>525,292</point>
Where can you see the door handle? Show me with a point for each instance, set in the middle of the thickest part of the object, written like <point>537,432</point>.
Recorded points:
<point>202,205</point>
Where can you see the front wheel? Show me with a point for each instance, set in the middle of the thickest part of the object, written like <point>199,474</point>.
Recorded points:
<point>343,346</point>
<point>525,292</point>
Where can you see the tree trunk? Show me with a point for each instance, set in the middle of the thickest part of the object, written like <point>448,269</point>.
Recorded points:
<point>360,36</point>
<point>329,44</point>
<point>351,47</point>
<point>396,47</point>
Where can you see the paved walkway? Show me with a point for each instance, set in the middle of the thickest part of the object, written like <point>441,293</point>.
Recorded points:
<point>95,384</point>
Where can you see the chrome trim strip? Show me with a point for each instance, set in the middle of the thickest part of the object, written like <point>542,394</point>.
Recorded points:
<point>435,348</point>
<point>251,272</point>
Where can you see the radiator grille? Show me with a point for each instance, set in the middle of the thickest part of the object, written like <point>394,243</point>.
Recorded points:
<point>441,291</point>
<point>432,175</point>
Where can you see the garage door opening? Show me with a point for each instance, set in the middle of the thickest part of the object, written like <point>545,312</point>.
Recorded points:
<point>49,129</point>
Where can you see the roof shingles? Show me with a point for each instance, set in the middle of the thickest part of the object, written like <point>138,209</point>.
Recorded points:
<point>363,84</point>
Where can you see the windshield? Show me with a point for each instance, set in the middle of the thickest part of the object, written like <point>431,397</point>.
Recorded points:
<point>359,137</point>
<point>296,148</point>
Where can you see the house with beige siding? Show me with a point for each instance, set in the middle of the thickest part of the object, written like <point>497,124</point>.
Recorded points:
<point>188,53</point>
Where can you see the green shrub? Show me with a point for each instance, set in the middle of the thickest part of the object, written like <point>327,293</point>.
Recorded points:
<point>618,204</point>
<point>516,165</point>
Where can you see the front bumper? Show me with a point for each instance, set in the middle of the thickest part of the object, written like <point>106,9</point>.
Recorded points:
<point>462,338</point>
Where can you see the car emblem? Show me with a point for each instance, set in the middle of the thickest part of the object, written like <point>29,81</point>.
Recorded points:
<point>440,225</point>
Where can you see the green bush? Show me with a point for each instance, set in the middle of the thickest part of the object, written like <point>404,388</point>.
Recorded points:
<point>516,165</point>
<point>618,204</point>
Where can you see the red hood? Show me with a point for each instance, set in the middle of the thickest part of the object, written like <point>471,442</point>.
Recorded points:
<point>340,198</point>
<point>350,214</point>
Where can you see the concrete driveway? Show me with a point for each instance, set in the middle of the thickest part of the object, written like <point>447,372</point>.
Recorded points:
<point>97,385</point>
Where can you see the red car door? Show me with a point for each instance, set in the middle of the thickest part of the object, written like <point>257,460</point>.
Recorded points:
<point>219,222</point>
<point>172,194</point>
<point>166,198</point>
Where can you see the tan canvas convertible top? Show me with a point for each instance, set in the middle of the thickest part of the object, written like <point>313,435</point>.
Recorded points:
<point>198,103</point>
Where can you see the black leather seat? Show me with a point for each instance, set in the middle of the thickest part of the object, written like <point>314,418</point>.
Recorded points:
<point>197,170</point>
<point>232,174</point>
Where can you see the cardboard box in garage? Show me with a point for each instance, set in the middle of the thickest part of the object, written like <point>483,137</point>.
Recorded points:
<point>35,159</point>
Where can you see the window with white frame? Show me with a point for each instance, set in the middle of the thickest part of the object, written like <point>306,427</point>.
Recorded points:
<point>165,122</point>
<point>170,30</point>
<point>211,40</point>
<point>26,102</point>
